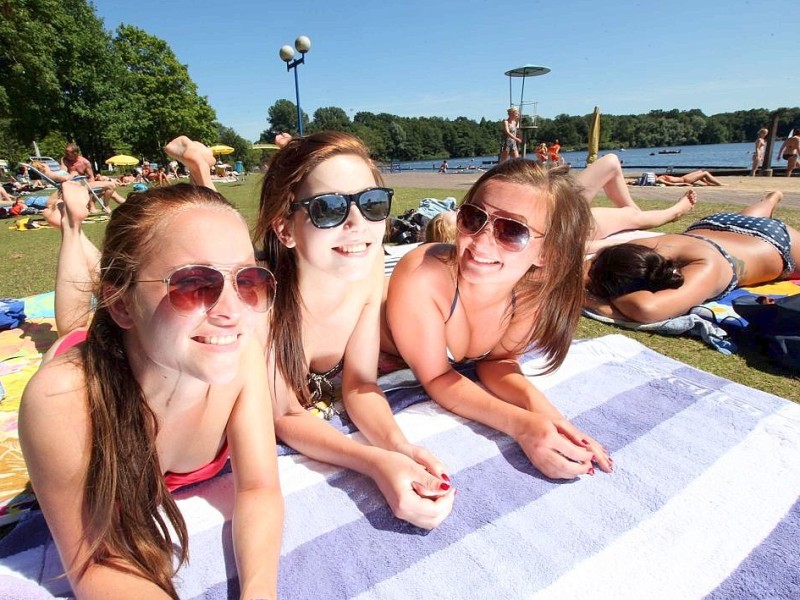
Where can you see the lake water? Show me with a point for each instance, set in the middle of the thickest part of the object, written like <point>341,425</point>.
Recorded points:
<point>705,156</point>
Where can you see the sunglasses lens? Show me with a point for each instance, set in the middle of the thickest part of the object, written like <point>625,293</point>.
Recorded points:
<point>511,235</point>
<point>327,211</point>
<point>375,204</point>
<point>470,219</point>
<point>195,289</point>
<point>256,287</point>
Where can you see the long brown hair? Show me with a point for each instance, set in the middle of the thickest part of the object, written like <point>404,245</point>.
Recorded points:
<point>286,172</point>
<point>549,297</point>
<point>124,483</point>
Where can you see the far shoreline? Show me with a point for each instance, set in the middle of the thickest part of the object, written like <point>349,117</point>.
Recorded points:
<point>740,190</point>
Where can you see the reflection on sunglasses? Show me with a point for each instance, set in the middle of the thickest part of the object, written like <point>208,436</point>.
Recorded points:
<point>330,210</point>
<point>509,233</point>
<point>195,289</point>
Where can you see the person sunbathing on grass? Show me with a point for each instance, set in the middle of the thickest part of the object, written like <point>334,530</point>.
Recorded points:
<point>169,380</point>
<point>693,178</point>
<point>108,187</point>
<point>511,283</point>
<point>606,174</point>
<point>656,278</point>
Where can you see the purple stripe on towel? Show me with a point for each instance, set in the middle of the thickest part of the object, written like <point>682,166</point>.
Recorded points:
<point>772,570</point>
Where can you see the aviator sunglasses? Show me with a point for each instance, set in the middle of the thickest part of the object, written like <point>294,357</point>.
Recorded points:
<point>195,289</point>
<point>330,210</point>
<point>509,233</point>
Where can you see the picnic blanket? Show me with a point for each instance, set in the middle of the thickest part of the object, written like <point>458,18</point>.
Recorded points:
<point>704,502</point>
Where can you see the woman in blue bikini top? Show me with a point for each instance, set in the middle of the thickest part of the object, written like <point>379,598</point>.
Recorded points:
<point>656,278</point>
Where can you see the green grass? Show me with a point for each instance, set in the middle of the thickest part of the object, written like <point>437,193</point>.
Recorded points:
<point>28,263</point>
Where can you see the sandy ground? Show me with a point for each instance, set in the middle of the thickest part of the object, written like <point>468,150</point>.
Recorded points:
<point>737,190</point>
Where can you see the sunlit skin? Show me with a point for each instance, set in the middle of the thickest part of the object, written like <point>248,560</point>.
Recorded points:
<point>340,277</point>
<point>419,327</point>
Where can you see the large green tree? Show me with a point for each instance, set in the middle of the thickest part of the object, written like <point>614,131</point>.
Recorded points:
<point>57,72</point>
<point>282,119</point>
<point>160,99</point>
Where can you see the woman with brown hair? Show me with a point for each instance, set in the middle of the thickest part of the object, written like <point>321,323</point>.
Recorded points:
<point>512,282</point>
<point>321,223</point>
<point>168,381</point>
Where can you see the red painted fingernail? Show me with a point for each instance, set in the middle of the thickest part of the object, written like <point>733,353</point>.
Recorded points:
<point>444,486</point>
<point>585,442</point>
<point>446,477</point>
<point>591,471</point>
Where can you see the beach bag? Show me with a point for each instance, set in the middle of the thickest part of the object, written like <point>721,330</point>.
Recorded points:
<point>12,313</point>
<point>647,178</point>
<point>775,325</point>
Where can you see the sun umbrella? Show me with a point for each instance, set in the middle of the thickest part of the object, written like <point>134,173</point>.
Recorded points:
<point>122,159</point>
<point>594,136</point>
<point>221,149</point>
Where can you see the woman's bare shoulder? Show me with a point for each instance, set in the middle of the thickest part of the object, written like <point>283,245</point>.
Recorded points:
<point>59,385</point>
<point>427,259</point>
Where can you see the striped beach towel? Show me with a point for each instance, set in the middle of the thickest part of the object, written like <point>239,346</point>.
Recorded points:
<point>703,502</point>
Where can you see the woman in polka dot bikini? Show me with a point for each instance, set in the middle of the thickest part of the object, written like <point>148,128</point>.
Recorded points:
<point>652,279</point>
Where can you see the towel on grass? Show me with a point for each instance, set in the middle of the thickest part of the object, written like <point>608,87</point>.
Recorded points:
<point>703,502</point>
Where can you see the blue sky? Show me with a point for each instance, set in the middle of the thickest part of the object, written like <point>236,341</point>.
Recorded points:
<point>448,59</point>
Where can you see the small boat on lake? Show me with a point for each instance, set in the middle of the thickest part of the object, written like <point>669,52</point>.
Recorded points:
<point>678,151</point>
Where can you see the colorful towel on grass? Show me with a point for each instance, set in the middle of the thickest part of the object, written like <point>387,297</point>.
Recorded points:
<point>21,351</point>
<point>704,502</point>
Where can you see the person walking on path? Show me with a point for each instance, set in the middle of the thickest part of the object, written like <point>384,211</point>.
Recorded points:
<point>789,151</point>
<point>758,152</point>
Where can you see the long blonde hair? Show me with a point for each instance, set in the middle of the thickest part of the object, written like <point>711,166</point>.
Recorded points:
<point>124,484</point>
<point>286,172</point>
<point>549,297</point>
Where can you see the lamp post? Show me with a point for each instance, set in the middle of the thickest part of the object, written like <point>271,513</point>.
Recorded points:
<point>303,45</point>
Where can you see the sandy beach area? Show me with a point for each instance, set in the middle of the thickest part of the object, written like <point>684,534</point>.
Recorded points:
<point>736,190</point>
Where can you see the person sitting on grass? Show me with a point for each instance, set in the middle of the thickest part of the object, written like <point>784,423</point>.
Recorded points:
<point>657,278</point>
<point>694,178</point>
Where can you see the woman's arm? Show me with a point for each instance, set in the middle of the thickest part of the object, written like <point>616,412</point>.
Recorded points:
<point>416,310</point>
<point>54,435</point>
<point>401,480</point>
<point>258,508</point>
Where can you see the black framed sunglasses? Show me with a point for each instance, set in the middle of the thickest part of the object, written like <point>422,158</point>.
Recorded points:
<point>509,233</point>
<point>330,210</point>
<point>195,289</point>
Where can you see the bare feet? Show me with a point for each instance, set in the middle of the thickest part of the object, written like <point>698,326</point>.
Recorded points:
<point>188,151</point>
<point>685,204</point>
<point>282,139</point>
<point>75,205</point>
<point>773,198</point>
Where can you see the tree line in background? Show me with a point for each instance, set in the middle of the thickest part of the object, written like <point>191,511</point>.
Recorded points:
<point>63,77</point>
<point>418,138</point>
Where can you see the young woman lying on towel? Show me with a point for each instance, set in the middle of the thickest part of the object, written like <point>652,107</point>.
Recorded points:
<point>170,380</point>
<point>512,282</point>
<point>652,279</point>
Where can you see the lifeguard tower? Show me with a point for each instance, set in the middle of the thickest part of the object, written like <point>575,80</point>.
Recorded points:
<point>528,109</point>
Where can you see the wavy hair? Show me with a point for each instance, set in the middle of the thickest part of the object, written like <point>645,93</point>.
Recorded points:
<point>124,484</point>
<point>549,297</point>
<point>286,172</point>
<point>625,268</point>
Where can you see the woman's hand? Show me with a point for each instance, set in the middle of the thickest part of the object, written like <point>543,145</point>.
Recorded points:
<point>429,462</point>
<point>558,449</point>
<point>413,494</point>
